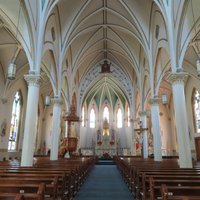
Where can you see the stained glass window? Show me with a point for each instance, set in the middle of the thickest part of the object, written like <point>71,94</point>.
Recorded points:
<point>197,110</point>
<point>119,118</point>
<point>14,128</point>
<point>106,113</point>
<point>83,116</point>
<point>128,120</point>
<point>92,118</point>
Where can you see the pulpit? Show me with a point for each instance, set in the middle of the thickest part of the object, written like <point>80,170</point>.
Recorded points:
<point>71,142</point>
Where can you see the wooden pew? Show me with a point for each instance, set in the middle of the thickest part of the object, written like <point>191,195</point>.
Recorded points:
<point>55,180</point>
<point>163,172</point>
<point>180,193</point>
<point>15,191</point>
<point>50,182</point>
<point>71,173</point>
<point>155,185</point>
<point>149,181</point>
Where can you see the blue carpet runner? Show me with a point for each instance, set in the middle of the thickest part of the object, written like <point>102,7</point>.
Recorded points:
<point>105,162</point>
<point>104,183</point>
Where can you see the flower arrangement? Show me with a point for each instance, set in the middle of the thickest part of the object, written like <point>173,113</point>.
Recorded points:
<point>99,142</point>
<point>106,155</point>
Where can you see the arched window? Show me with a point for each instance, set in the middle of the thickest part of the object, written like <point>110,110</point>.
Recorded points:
<point>83,116</point>
<point>197,110</point>
<point>14,128</point>
<point>119,118</point>
<point>37,132</point>
<point>92,118</point>
<point>106,113</point>
<point>128,119</point>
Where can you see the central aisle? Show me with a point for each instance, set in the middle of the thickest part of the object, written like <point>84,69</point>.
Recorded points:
<point>104,183</point>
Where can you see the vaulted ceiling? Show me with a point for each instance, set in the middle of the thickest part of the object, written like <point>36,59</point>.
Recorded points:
<point>94,31</point>
<point>72,38</point>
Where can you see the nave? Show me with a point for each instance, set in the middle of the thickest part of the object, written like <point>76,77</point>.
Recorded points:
<point>81,178</point>
<point>104,183</point>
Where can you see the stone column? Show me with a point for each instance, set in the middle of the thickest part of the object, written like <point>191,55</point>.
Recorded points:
<point>30,121</point>
<point>55,129</point>
<point>156,128</point>
<point>177,80</point>
<point>144,134</point>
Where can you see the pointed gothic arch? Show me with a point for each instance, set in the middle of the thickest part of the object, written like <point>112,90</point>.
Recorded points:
<point>15,121</point>
<point>196,109</point>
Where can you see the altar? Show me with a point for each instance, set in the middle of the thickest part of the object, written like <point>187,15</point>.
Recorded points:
<point>106,145</point>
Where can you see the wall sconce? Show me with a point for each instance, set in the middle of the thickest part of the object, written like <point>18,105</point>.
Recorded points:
<point>164,102</point>
<point>198,67</point>
<point>11,71</point>
<point>12,66</point>
<point>47,100</point>
<point>164,99</point>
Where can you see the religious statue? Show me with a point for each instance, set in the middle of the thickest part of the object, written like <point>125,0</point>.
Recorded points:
<point>98,135</point>
<point>140,137</point>
<point>106,133</point>
<point>112,135</point>
<point>3,128</point>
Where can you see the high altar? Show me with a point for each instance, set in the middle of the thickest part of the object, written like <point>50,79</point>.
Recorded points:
<point>106,145</point>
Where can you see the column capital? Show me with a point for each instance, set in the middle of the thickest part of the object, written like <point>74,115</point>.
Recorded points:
<point>143,113</point>
<point>33,80</point>
<point>180,77</point>
<point>57,100</point>
<point>154,101</point>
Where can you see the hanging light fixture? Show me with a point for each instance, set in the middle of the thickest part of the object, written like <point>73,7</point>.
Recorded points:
<point>47,100</point>
<point>198,67</point>
<point>164,99</point>
<point>11,71</point>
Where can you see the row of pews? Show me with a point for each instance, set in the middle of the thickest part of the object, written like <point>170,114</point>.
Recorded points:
<point>164,180</point>
<point>60,179</point>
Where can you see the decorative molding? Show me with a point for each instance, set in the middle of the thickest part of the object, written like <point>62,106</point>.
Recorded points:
<point>33,80</point>
<point>117,73</point>
<point>143,113</point>
<point>154,101</point>
<point>57,101</point>
<point>177,78</point>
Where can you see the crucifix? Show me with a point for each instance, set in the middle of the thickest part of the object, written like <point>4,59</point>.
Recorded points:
<point>139,131</point>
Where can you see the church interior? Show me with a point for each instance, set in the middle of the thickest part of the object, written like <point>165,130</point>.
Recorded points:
<point>113,82</point>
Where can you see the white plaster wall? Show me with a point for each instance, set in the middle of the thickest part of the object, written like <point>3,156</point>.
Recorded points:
<point>173,137</point>
<point>83,132</point>
<point>47,127</point>
<point>166,130</point>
